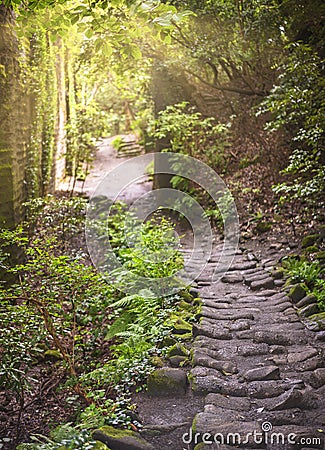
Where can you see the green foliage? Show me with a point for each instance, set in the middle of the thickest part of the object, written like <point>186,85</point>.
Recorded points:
<point>20,332</point>
<point>297,104</point>
<point>64,437</point>
<point>60,302</point>
<point>60,296</point>
<point>309,273</point>
<point>189,133</point>
<point>116,142</point>
<point>302,271</point>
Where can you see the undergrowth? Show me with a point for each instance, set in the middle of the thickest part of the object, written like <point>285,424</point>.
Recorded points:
<point>102,342</point>
<point>311,274</point>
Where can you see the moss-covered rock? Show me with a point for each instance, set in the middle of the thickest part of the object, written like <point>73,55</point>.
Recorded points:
<point>157,361</point>
<point>310,240</point>
<point>117,439</point>
<point>320,255</point>
<point>167,381</point>
<point>177,350</point>
<point>53,355</point>
<point>319,320</point>
<point>177,361</point>
<point>308,300</point>
<point>186,296</point>
<point>182,327</point>
<point>311,249</point>
<point>101,446</point>
<point>297,292</point>
<point>185,306</point>
<point>309,310</point>
<point>263,227</point>
<point>278,274</point>
<point>168,341</point>
<point>187,337</point>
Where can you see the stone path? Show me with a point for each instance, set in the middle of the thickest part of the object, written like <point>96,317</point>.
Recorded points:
<point>260,370</point>
<point>105,161</point>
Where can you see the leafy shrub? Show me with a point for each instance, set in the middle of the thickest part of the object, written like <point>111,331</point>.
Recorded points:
<point>309,273</point>
<point>59,301</point>
<point>191,134</point>
<point>297,105</point>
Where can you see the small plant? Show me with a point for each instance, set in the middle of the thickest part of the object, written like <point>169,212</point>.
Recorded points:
<point>302,271</point>
<point>308,273</point>
<point>64,437</point>
<point>192,134</point>
<point>117,142</point>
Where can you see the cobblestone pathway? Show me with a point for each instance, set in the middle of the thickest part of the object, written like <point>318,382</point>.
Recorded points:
<point>260,369</point>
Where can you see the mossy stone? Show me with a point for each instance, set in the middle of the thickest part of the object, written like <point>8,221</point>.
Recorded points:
<point>182,327</point>
<point>309,310</point>
<point>197,302</point>
<point>320,255</point>
<point>186,296</point>
<point>157,361</point>
<point>308,300</point>
<point>278,274</point>
<point>311,249</point>
<point>297,293</point>
<point>117,439</point>
<point>319,319</point>
<point>167,381</point>
<point>53,355</point>
<point>177,350</point>
<point>187,337</point>
<point>185,306</point>
<point>177,361</point>
<point>263,227</point>
<point>101,446</point>
<point>168,341</point>
<point>310,240</point>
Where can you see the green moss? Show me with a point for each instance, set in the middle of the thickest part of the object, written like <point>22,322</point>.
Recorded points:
<point>320,255</point>
<point>183,305</point>
<point>157,361</point>
<point>310,240</point>
<point>187,337</point>
<point>182,327</point>
<point>311,249</point>
<point>186,296</point>
<point>297,292</point>
<point>263,227</point>
<point>100,446</point>
<point>168,341</point>
<point>177,350</point>
<point>52,354</point>
<point>319,318</point>
<point>116,432</point>
<point>117,438</point>
<point>166,381</point>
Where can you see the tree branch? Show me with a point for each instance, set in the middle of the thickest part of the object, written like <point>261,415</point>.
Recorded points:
<point>226,88</point>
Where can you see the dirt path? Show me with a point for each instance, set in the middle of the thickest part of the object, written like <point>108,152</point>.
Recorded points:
<point>104,163</point>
